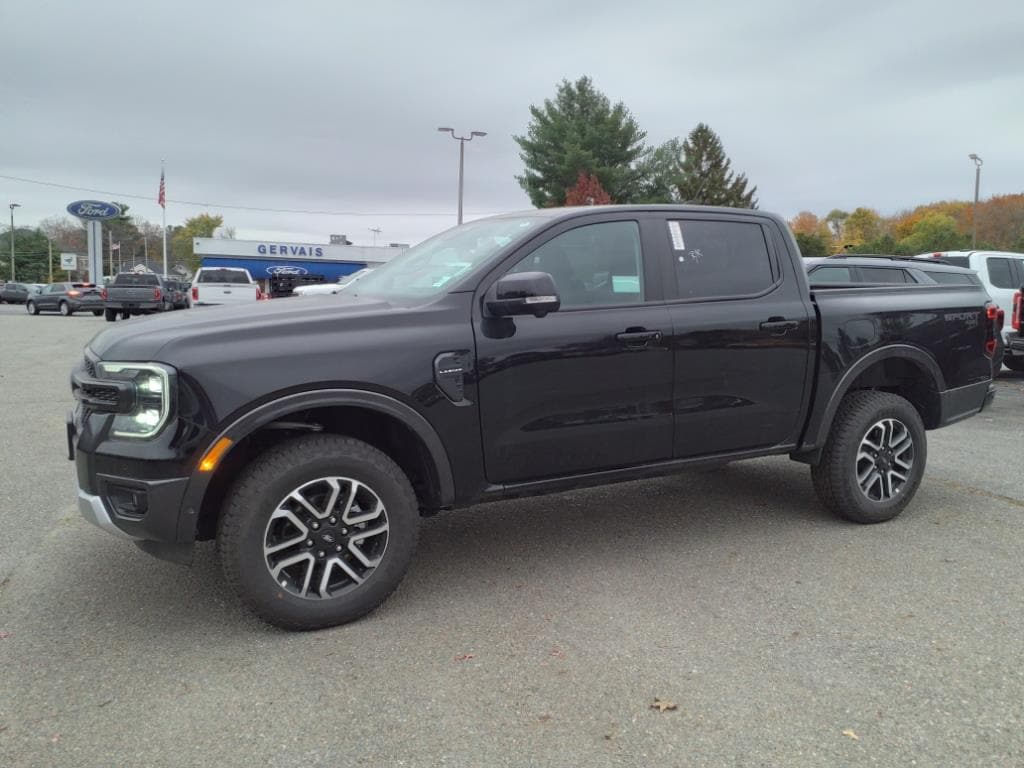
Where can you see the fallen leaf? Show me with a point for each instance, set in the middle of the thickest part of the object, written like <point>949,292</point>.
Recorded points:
<point>544,718</point>
<point>558,653</point>
<point>661,706</point>
<point>5,635</point>
<point>851,734</point>
<point>464,657</point>
<point>55,738</point>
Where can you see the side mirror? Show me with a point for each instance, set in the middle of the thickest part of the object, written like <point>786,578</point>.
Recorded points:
<point>523,293</point>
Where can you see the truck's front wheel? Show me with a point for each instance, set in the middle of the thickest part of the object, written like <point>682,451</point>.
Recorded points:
<point>318,531</point>
<point>874,458</point>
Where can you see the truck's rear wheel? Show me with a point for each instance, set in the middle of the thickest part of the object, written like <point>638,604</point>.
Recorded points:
<point>110,315</point>
<point>1014,363</point>
<point>318,531</point>
<point>874,458</point>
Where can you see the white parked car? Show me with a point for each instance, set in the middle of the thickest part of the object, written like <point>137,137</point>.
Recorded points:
<point>320,289</point>
<point>223,285</point>
<point>1002,274</point>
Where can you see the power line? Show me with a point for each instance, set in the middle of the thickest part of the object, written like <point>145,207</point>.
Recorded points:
<point>151,198</point>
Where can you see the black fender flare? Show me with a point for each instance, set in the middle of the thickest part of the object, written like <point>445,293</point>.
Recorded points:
<point>893,351</point>
<point>264,414</point>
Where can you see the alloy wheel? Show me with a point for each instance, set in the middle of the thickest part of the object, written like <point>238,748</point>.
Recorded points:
<point>326,537</point>
<point>885,460</point>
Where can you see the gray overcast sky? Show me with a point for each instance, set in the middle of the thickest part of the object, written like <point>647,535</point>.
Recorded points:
<point>334,105</point>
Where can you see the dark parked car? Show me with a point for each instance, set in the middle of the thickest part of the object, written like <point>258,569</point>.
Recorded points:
<point>887,270</point>
<point>136,293</point>
<point>66,298</point>
<point>179,292</point>
<point>849,269</point>
<point>14,293</point>
<point>522,354</point>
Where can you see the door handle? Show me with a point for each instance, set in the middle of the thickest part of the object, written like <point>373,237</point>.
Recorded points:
<point>638,338</point>
<point>779,325</point>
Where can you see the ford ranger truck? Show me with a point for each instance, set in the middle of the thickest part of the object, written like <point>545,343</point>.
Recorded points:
<point>527,353</point>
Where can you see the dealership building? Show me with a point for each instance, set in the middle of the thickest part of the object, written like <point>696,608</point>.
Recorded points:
<point>276,264</point>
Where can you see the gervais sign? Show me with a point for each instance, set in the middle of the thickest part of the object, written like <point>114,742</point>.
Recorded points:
<point>94,210</point>
<point>283,249</point>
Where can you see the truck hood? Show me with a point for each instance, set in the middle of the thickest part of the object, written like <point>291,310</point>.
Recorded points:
<point>169,336</point>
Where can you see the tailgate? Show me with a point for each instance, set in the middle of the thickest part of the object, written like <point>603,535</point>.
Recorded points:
<point>125,293</point>
<point>225,293</point>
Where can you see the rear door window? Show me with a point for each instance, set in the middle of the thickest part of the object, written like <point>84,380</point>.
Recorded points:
<point>884,275</point>
<point>718,259</point>
<point>831,275</point>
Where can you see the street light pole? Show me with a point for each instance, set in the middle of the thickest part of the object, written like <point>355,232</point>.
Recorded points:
<point>462,157</point>
<point>12,207</point>
<point>977,186</point>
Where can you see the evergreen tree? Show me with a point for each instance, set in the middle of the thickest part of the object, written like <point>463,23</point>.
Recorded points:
<point>580,130</point>
<point>705,175</point>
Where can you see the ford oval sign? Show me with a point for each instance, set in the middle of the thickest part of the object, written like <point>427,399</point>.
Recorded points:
<point>94,210</point>
<point>286,270</point>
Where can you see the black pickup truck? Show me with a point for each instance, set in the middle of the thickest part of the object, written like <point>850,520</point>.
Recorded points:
<point>522,354</point>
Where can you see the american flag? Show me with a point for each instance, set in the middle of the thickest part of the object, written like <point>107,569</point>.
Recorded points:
<point>161,198</point>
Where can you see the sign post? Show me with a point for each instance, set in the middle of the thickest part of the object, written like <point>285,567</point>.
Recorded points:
<point>92,212</point>
<point>69,262</point>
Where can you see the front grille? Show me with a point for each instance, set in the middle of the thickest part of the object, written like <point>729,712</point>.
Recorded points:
<point>101,393</point>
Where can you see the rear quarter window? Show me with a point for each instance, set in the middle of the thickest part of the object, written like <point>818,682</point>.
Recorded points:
<point>1000,272</point>
<point>953,278</point>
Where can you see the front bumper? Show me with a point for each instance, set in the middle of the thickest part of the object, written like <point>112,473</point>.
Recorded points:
<point>138,499</point>
<point>93,510</point>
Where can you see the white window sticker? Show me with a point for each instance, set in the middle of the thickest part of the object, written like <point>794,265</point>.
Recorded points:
<point>676,231</point>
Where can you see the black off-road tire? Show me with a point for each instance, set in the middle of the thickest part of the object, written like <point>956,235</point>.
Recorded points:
<point>110,315</point>
<point>1014,363</point>
<point>835,476</point>
<point>31,308</point>
<point>269,479</point>
<point>97,312</point>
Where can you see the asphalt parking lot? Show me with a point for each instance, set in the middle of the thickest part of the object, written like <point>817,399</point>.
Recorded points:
<point>535,632</point>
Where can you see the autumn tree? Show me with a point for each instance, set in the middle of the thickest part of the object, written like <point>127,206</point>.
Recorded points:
<point>587,191</point>
<point>66,233</point>
<point>705,174</point>
<point>934,232</point>
<point>203,225</point>
<point>580,130</point>
<point>863,225</point>
<point>835,219</point>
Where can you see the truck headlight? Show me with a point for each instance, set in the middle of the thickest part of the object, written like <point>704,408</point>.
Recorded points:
<point>152,397</point>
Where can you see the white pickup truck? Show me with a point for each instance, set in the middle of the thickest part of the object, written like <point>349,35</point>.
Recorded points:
<point>223,285</point>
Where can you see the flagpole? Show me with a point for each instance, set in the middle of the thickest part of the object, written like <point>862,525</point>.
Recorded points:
<point>164,209</point>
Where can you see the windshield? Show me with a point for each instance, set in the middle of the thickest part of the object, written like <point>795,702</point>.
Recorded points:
<point>432,267</point>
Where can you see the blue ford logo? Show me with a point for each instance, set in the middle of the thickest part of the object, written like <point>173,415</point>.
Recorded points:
<point>94,210</point>
<point>287,270</point>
